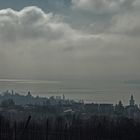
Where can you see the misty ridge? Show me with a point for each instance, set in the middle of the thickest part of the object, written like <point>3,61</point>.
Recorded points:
<point>132,82</point>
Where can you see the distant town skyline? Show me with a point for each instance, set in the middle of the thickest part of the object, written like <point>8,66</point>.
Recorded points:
<point>68,106</point>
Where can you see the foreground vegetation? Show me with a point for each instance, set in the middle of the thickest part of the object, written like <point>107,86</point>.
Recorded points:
<point>70,127</point>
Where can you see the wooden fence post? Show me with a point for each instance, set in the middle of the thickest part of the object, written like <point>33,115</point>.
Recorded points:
<point>15,131</point>
<point>47,129</point>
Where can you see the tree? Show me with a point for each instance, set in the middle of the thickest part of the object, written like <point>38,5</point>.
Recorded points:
<point>8,102</point>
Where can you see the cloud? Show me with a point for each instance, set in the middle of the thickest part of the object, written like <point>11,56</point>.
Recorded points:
<point>32,40</point>
<point>102,6</point>
<point>31,23</point>
<point>126,24</point>
<point>108,17</point>
<point>111,17</point>
<point>34,43</point>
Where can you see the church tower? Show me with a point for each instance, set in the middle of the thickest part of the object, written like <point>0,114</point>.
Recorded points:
<point>132,101</point>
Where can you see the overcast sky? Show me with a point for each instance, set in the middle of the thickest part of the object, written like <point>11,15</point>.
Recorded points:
<point>70,39</point>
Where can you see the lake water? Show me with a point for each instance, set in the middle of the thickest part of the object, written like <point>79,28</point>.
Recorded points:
<point>105,93</point>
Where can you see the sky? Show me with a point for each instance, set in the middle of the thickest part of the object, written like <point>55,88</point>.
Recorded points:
<point>84,40</point>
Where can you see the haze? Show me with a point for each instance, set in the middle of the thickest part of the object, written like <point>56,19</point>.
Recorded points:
<point>81,41</point>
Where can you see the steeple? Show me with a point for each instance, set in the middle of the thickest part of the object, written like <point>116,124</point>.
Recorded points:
<point>120,104</point>
<point>132,101</point>
<point>29,94</point>
<point>63,97</point>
